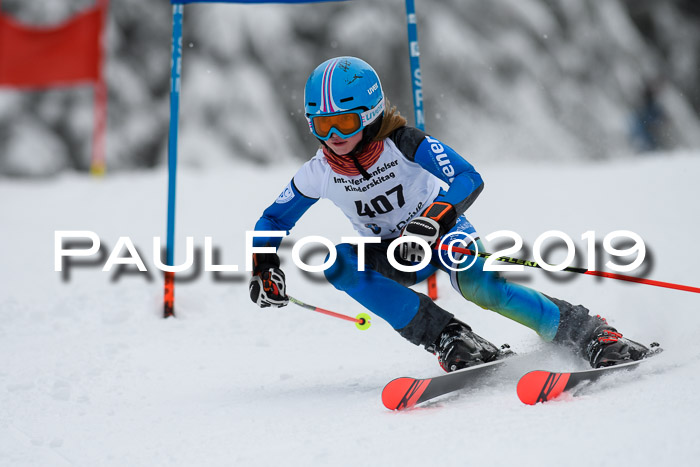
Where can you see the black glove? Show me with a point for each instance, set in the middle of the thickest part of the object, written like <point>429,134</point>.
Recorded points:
<point>435,221</point>
<point>267,286</point>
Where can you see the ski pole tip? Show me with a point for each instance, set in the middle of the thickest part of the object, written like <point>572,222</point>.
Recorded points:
<point>363,321</point>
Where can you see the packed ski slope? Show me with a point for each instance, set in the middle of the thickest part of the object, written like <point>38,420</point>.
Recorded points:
<point>91,375</point>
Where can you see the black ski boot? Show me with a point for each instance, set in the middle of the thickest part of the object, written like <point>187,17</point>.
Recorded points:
<point>593,338</point>
<point>458,347</point>
<point>607,347</point>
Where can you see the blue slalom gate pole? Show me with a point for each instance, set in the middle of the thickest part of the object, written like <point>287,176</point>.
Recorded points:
<point>414,55</point>
<point>175,80</point>
<point>417,87</point>
<point>175,75</point>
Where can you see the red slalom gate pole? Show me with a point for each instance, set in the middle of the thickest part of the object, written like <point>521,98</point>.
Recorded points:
<point>610,275</point>
<point>362,321</point>
<point>432,287</point>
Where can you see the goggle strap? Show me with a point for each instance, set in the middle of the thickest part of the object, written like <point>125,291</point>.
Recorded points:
<point>371,114</point>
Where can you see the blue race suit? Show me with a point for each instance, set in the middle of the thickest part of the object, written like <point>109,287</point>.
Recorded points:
<point>411,155</point>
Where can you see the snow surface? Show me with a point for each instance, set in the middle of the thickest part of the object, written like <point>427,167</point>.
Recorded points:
<point>91,375</point>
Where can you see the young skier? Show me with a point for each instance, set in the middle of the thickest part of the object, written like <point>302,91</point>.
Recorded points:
<point>386,178</point>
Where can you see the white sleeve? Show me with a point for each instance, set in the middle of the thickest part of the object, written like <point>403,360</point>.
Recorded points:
<point>310,179</point>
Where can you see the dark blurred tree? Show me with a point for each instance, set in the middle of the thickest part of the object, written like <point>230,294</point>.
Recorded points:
<point>545,79</point>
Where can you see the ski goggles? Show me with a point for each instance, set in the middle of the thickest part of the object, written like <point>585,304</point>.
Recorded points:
<point>344,124</point>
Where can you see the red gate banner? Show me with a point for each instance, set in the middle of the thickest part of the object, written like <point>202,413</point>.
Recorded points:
<point>40,57</point>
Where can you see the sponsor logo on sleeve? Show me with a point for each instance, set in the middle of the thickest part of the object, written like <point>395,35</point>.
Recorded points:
<point>441,158</point>
<point>286,195</point>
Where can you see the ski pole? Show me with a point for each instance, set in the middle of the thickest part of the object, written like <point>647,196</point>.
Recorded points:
<point>362,321</point>
<point>610,275</point>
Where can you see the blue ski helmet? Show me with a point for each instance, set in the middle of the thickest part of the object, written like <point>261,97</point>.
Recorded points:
<point>346,88</point>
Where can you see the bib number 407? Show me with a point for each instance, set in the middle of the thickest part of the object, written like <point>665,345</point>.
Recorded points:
<point>381,204</point>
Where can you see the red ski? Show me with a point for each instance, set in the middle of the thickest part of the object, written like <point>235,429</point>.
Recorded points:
<point>542,386</point>
<point>405,392</point>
